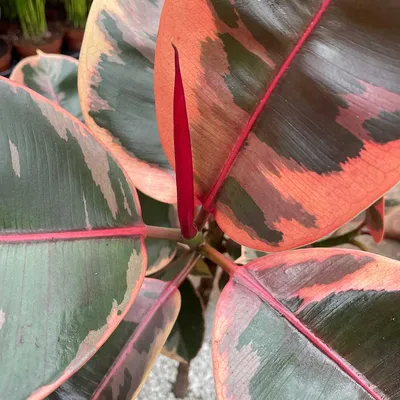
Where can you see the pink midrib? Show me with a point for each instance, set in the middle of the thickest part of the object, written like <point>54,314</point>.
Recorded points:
<point>139,230</point>
<point>243,276</point>
<point>120,361</point>
<point>209,199</point>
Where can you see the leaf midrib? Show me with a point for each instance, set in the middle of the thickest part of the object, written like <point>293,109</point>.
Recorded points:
<point>139,230</point>
<point>243,277</point>
<point>210,197</point>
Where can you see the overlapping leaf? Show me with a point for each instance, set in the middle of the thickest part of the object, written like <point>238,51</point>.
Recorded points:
<point>159,251</point>
<point>315,324</point>
<point>375,219</point>
<point>142,348</point>
<point>72,257</point>
<point>54,76</point>
<point>187,335</point>
<point>294,132</point>
<point>116,90</point>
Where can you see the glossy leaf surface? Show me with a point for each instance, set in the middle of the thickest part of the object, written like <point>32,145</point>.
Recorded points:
<point>116,90</point>
<point>159,251</point>
<point>183,157</point>
<point>375,219</point>
<point>54,76</point>
<point>309,324</point>
<point>186,337</point>
<point>142,352</point>
<point>295,128</point>
<point>72,257</point>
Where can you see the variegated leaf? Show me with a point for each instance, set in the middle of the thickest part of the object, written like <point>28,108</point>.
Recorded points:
<point>375,219</point>
<point>54,76</point>
<point>72,254</point>
<point>293,107</point>
<point>187,335</point>
<point>116,90</point>
<point>159,251</point>
<point>387,247</point>
<point>186,338</point>
<point>309,324</point>
<point>143,344</point>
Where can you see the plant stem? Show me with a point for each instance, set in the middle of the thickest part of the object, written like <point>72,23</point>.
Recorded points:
<point>357,243</point>
<point>214,255</point>
<point>177,281</point>
<point>338,240</point>
<point>181,387</point>
<point>158,232</point>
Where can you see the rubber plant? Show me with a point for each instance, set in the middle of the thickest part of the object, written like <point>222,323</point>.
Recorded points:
<point>279,119</point>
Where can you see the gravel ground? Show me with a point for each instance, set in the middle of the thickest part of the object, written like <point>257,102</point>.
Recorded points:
<point>162,377</point>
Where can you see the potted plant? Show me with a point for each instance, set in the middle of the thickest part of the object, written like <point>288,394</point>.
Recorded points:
<point>77,11</point>
<point>35,33</point>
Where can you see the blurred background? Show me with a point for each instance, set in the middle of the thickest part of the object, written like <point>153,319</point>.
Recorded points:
<point>53,26</point>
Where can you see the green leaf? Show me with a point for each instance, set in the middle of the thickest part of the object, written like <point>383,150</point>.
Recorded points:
<point>201,269</point>
<point>186,338</point>
<point>71,253</point>
<point>142,339</point>
<point>309,324</point>
<point>54,76</point>
<point>116,89</point>
<point>159,251</point>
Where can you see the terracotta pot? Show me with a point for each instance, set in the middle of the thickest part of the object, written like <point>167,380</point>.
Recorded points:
<point>26,48</point>
<point>5,55</point>
<point>74,38</point>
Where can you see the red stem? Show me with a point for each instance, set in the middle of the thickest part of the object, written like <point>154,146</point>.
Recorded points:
<point>183,157</point>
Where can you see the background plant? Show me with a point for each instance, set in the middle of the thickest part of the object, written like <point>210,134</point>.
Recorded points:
<point>77,11</point>
<point>32,17</point>
<point>8,11</point>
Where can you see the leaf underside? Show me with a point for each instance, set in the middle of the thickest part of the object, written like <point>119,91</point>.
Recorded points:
<point>375,219</point>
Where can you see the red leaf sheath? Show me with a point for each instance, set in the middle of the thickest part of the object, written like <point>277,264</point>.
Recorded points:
<point>183,157</point>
